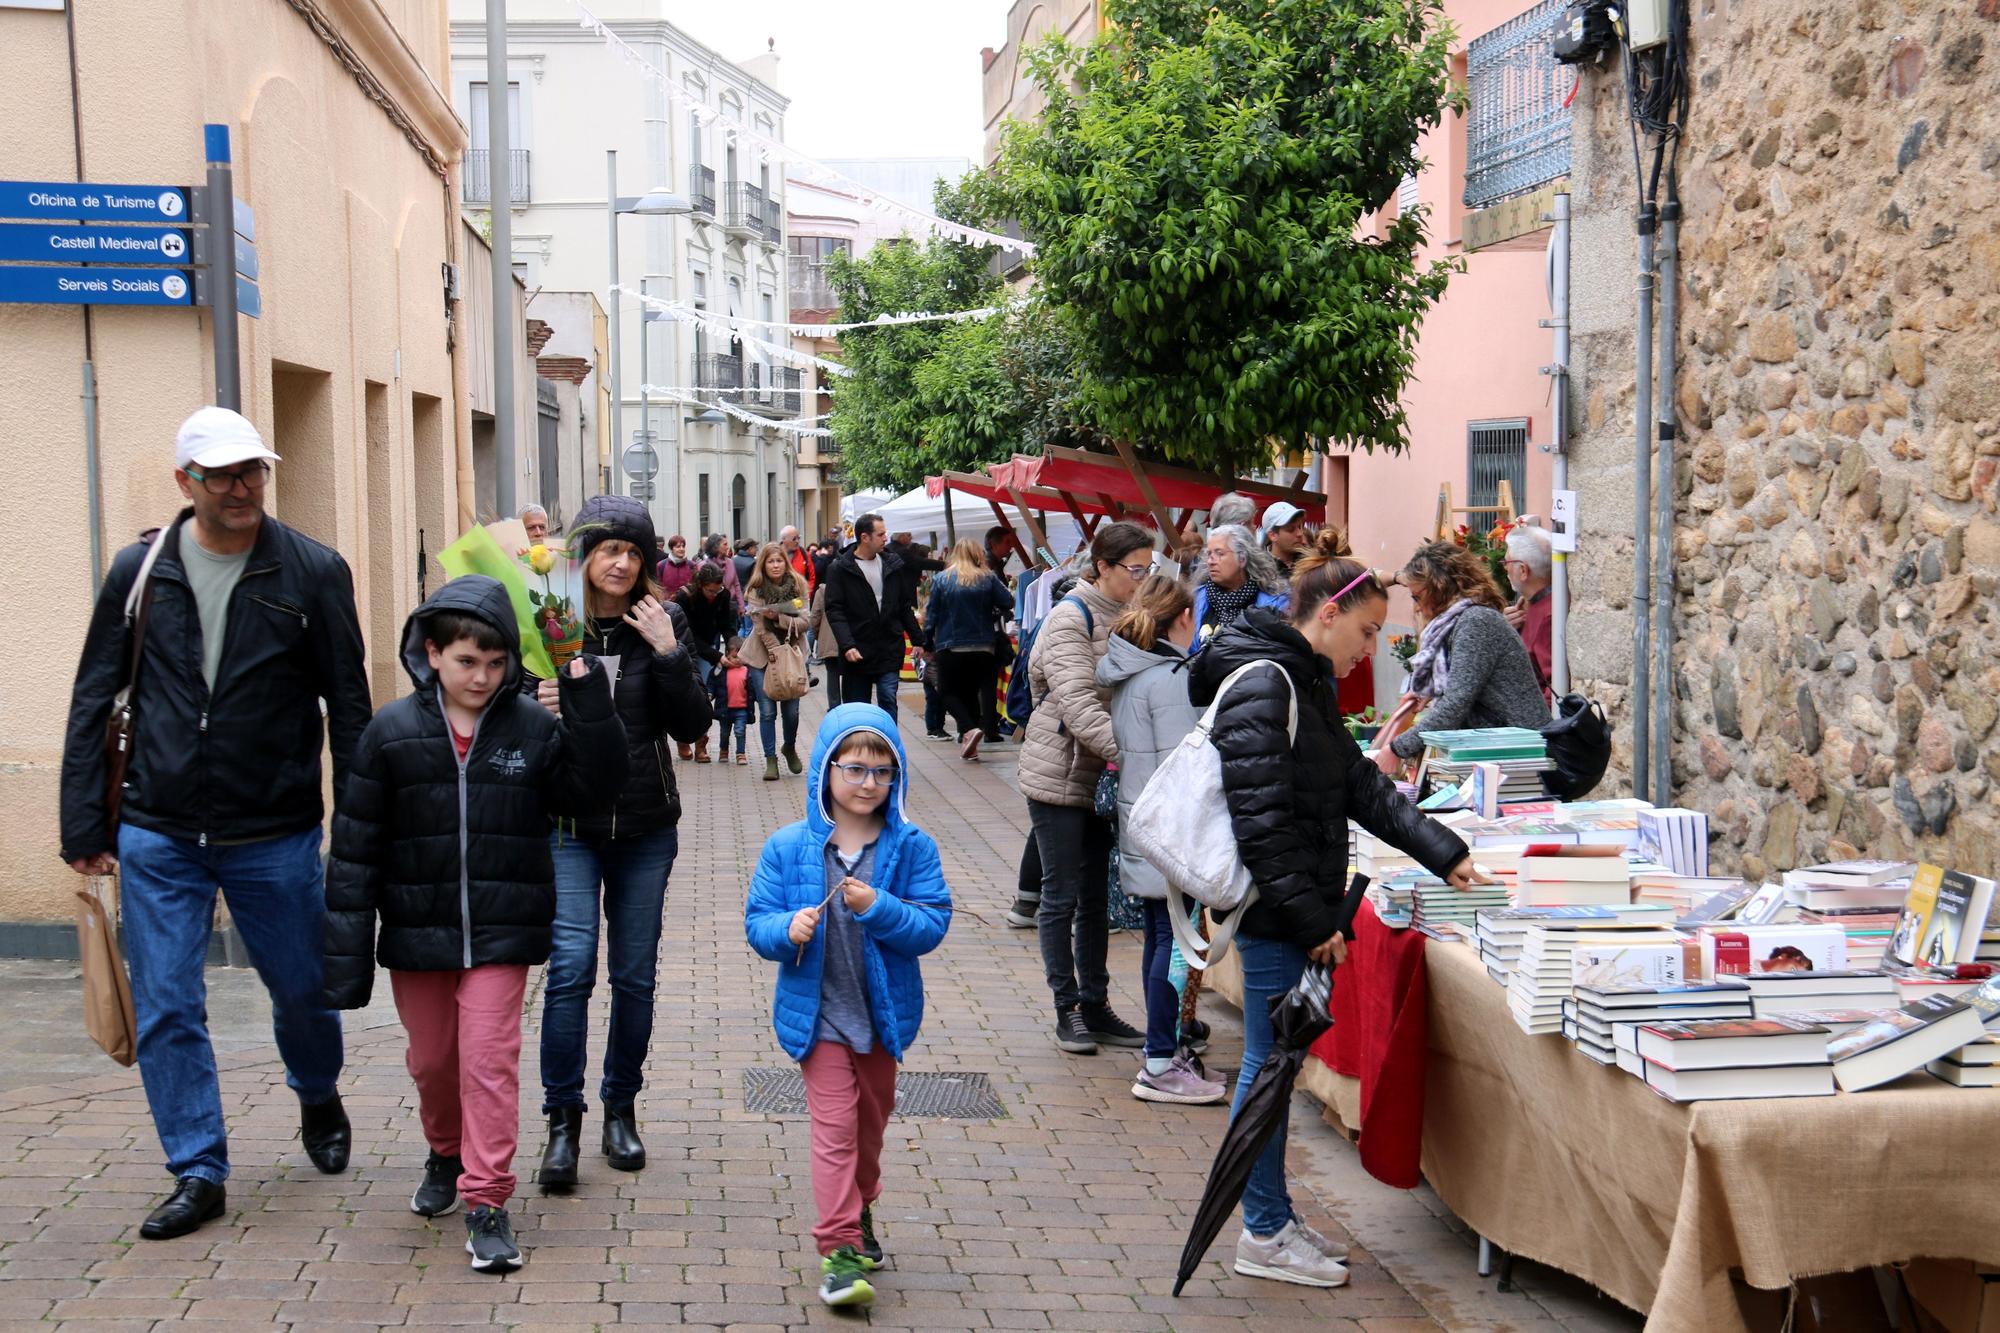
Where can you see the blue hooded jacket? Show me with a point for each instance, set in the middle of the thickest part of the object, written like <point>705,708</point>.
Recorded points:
<point>911,912</point>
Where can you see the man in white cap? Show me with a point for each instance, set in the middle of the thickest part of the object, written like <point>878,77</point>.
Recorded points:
<point>1284,531</point>
<point>243,626</point>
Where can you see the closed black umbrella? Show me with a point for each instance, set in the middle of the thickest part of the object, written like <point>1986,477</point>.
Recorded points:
<point>1299,1017</point>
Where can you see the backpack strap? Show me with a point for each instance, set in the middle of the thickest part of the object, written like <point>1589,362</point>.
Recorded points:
<point>1207,724</point>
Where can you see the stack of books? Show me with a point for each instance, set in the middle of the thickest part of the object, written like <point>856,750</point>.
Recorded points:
<point>1722,1059</point>
<point>1601,1020</point>
<point>1868,931</point>
<point>1556,876</point>
<point>1974,1065</point>
<point>1677,839</point>
<point>1845,885</point>
<point>1544,974</point>
<point>1692,897</point>
<point>1807,993</point>
<point>1520,755</point>
<point>1501,934</point>
<point>1436,903</point>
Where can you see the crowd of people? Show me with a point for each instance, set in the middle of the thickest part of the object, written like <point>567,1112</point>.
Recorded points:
<point>489,821</point>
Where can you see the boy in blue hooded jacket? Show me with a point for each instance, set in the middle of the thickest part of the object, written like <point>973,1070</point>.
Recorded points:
<point>845,902</point>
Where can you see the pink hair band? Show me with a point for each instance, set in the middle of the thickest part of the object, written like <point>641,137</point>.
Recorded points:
<point>1358,579</point>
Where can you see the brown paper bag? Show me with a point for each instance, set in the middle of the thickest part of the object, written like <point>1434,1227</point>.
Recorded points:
<point>107,991</point>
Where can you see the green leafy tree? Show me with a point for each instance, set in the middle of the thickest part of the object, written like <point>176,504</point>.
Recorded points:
<point>923,397</point>
<point>1195,189</point>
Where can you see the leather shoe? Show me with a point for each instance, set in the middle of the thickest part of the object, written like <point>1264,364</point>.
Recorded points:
<point>558,1171</point>
<point>621,1138</point>
<point>327,1135</point>
<point>193,1202</point>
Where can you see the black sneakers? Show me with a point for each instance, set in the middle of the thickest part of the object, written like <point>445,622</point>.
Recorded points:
<point>871,1249</point>
<point>1072,1035</point>
<point>1108,1029</point>
<point>438,1194</point>
<point>489,1239</point>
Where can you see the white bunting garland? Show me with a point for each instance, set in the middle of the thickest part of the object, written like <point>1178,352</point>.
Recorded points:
<point>730,328</point>
<point>770,148</point>
<point>740,413</point>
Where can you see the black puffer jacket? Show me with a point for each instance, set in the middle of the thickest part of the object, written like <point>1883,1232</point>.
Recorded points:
<point>658,696</point>
<point>711,623</point>
<point>454,858</point>
<point>1290,803</point>
<point>859,620</point>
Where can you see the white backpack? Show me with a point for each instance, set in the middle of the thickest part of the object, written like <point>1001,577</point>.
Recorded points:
<point>1181,824</point>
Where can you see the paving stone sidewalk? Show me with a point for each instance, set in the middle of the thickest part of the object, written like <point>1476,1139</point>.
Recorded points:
<point>1068,1213</point>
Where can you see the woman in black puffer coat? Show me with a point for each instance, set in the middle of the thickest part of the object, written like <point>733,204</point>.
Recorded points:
<point>622,852</point>
<point>1289,803</point>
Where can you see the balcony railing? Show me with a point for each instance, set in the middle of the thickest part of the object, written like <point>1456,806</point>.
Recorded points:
<point>743,209</point>
<point>787,381</point>
<point>479,175</point>
<point>717,371</point>
<point>774,224</point>
<point>701,190</point>
<point>772,390</point>
<point>1517,129</point>
<point>811,288</point>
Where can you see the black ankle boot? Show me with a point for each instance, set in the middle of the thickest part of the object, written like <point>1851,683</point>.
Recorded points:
<point>558,1171</point>
<point>621,1138</point>
<point>327,1135</point>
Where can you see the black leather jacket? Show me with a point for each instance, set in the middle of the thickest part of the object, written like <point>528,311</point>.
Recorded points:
<point>1290,802</point>
<point>241,761</point>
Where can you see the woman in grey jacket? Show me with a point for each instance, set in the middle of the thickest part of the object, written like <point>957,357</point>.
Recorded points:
<point>1144,666</point>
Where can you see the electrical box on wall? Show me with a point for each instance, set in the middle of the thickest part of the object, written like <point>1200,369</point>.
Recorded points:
<point>1583,32</point>
<point>1646,22</point>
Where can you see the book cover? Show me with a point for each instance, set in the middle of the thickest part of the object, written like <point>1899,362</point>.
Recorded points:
<point>1913,926</point>
<point>1764,906</point>
<point>1711,1029</point>
<point>1957,917</point>
<point>1901,1040</point>
<point>1657,964</point>
<point>1748,949</point>
<point>1852,872</point>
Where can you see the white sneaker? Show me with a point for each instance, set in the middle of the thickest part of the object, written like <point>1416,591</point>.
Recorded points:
<point>1288,1257</point>
<point>1332,1249</point>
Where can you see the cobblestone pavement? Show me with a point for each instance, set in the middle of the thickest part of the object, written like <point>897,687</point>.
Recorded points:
<point>1067,1213</point>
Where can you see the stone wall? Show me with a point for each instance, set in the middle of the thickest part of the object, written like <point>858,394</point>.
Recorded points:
<point>1836,664</point>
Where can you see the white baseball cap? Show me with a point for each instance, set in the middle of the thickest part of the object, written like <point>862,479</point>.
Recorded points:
<point>1277,516</point>
<point>218,437</point>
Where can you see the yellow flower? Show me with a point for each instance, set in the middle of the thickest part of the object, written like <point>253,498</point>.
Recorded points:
<point>539,559</point>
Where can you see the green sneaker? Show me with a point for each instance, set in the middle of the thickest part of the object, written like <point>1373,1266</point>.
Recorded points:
<point>844,1278</point>
<point>871,1249</point>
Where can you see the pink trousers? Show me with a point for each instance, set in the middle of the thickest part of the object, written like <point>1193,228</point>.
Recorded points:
<point>849,1097</point>
<point>465,1055</point>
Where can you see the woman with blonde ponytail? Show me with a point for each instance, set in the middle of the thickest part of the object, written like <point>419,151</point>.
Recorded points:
<point>1144,668</point>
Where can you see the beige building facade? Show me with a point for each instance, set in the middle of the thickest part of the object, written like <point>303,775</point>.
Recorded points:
<point>347,149</point>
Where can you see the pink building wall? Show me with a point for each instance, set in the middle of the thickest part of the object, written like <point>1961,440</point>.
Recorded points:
<point>1479,358</point>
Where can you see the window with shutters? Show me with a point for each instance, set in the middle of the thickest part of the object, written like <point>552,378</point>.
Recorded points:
<point>1495,451</point>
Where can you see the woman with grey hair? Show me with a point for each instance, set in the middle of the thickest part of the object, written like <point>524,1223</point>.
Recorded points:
<point>1232,507</point>
<point>1236,574</point>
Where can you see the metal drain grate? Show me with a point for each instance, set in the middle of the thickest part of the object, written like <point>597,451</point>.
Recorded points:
<point>928,1096</point>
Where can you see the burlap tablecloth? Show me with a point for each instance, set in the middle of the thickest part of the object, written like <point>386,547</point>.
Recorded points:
<point>1581,1167</point>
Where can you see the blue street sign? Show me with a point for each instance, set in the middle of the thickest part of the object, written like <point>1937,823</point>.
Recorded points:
<point>67,243</point>
<point>50,285</point>
<point>246,221</point>
<point>246,257</point>
<point>60,200</point>
<point>249,301</point>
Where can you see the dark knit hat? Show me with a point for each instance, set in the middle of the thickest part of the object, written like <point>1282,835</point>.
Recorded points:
<point>606,518</point>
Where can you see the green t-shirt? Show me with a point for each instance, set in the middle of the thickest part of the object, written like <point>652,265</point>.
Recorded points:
<point>213,578</point>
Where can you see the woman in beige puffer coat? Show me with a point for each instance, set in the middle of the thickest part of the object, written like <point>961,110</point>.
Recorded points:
<point>1068,745</point>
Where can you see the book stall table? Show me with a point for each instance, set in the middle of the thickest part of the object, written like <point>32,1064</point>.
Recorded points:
<point>1583,1168</point>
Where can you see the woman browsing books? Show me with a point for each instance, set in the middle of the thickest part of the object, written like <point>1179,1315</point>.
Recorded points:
<point>1289,803</point>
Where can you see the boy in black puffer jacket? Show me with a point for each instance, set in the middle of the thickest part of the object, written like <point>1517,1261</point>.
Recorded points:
<point>442,832</point>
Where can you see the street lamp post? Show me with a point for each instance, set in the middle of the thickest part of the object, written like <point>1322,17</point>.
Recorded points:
<point>657,202</point>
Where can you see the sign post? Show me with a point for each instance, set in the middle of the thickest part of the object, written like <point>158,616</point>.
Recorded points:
<point>222,258</point>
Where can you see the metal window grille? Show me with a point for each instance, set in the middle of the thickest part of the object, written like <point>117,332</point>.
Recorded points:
<point>1517,130</point>
<point>478,176</point>
<point>1495,451</point>
<point>1406,195</point>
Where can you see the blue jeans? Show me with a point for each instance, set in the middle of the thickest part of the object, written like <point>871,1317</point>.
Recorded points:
<point>767,715</point>
<point>933,707</point>
<point>277,898</point>
<point>633,872</point>
<point>1163,1002</point>
<point>1270,968</point>
<point>737,719</point>
<point>857,683</point>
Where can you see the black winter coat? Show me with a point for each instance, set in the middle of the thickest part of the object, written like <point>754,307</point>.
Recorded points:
<point>710,625</point>
<point>1290,803</point>
<point>239,761</point>
<point>858,620</point>
<point>658,696</point>
<point>454,857</point>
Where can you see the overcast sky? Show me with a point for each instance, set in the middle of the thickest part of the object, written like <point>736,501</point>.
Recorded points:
<point>867,78</point>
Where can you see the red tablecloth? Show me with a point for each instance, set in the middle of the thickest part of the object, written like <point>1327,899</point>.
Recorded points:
<point>1380,999</point>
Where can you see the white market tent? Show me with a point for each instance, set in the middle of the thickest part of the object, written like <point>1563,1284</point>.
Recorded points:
<point>918,512</point>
